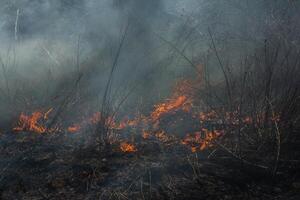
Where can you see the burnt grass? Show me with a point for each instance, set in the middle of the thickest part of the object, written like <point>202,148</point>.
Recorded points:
<point>61,166</point>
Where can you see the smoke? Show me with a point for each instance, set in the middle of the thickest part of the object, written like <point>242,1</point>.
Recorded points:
<point>47,44</point>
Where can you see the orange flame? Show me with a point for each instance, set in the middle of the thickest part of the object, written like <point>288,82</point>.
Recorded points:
<point>146,134</point>
<point>127,147</point>
<point>31,123</point>
<point>163,137</point>
<point>199,140</point>
<point>171,105</point>
<point>74,128</point>
<point>181,100</point>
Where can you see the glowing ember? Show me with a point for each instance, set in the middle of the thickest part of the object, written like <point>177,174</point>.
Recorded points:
<point>127,147</point>
<point>74,128</point>
<point>96,117</point>
<point>163,137</point>
<point>207,116</point>
<point>109,121</point>
<point>194,149</point>
<point>146,134</point>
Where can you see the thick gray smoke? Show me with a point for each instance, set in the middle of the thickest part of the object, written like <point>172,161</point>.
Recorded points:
<point>46,45</point>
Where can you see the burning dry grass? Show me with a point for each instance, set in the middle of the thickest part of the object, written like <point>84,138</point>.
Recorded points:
<point>127,147</point>
<point>147,126</point>
<point>213,134</point>
<point>212,125</point>
<point>34,122</point>
<point>230,129</point>
<point>170,106</point>
<point>249,120</point>
<point>30,123</point>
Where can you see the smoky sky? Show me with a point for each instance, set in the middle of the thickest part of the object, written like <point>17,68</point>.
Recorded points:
<point>98,23</point>
<point>61,18</point>
<point>56,38</point>
<point>50,31</point>
<point>45,45</point>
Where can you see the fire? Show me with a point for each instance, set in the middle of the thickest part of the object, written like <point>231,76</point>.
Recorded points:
<point>181,99</point>
<point>95,118</point>
<point>46,115</point>
<point>193,149</point>
<point>151,127</point>
<point>109,121</point>
<point>33,122</point>
<point>122,125</point>
<point>127,147</point>
<point>207,142</point>
<point>126,123</point>
<point>30,123</point>
<point>146,134</point>
<point>148,125</point>
<point>92,120</point>
<point>163,137</point>
<point>74,128</point>
<point>207,116</point>
<point>199,140</point>
<point>171,105</point>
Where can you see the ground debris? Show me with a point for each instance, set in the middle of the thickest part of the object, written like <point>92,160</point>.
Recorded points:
<point>51,167</point>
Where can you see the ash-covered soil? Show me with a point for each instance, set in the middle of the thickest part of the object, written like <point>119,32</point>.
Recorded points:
<point>34,166</point>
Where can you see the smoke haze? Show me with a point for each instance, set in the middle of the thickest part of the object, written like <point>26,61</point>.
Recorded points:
<point>47,44</point>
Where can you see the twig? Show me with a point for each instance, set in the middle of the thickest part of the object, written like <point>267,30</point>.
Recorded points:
<point>64,103</point>
<point>212,153</point>
<point>179,52</point>
<point>4,69</point>
<point>222,66</point>
<point>108,84</point>
<point>240,159</point>
<point>43,195</point>
<point>50,55</point>
<point>123,100</point>
<point>278,136</point>
<point>150,186</point>
<point>102,126</point>
<point>142,192</point>
<point>16,25</point>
